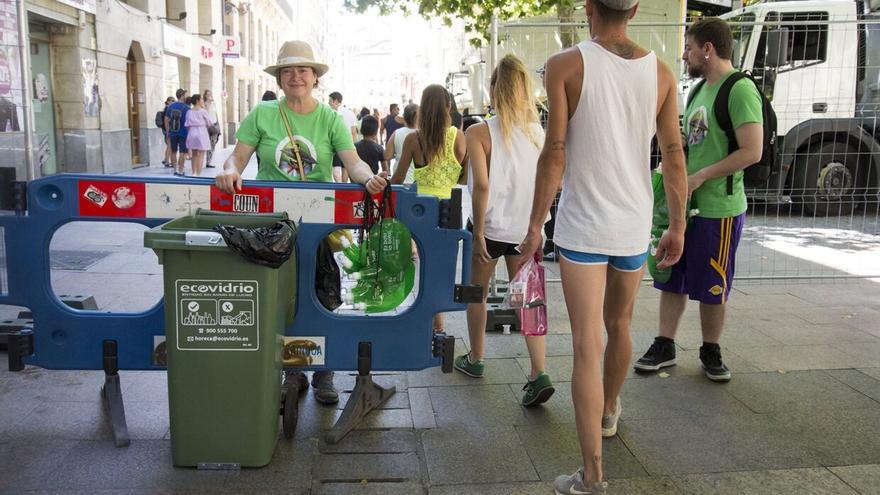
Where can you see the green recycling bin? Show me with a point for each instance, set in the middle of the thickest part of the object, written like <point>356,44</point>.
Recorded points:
<point>224,321</point>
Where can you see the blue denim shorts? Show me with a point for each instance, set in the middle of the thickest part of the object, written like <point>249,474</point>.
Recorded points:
<point>621,263</point>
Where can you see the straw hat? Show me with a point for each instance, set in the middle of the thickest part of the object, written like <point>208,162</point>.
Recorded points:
<point>296,53</point>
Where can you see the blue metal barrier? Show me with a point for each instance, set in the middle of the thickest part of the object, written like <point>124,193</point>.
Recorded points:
<point>66,338</point>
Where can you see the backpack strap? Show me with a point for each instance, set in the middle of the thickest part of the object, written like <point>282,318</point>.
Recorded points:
<point>722,115</point>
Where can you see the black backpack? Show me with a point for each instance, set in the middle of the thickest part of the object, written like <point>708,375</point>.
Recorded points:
<point>174,116</point>
<point>160,119</point>
<point>759,172</point>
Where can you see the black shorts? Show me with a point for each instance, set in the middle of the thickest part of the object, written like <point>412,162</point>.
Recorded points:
<point>497,249</point>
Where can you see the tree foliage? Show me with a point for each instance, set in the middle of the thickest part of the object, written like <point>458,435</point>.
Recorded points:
<point>476,14</point>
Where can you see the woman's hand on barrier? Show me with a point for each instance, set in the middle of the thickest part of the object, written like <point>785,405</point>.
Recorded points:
<point>376,183</point>
<point>229,181</point>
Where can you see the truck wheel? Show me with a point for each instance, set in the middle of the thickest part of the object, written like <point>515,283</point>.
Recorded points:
<point>827,178</point>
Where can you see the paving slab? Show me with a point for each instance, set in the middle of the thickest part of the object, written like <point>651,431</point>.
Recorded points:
<point>291,470</point>
<point>143,464</point>
<point>357,467</point>
<point>861,354</point>
<point>554,450</point>
<point>797,357</point>
<point>64,420</point>
<point>368,488</point>
<point>799,390</point>
<point>421,408</point>
<point>32,463</point>
<point>476,455</point>
<point>675,397</point>
<point>709,444</point>
<point>818,481</point>
<point>632,486</point>
<point>836,437</point>
<point>865,479</point>
<point>813,333</point>
<point>872,372</point>
<point>40,385</point>
<point>144,386</point>
<point>859,381</point>
<point>476,406</point>
<point>373,442</point>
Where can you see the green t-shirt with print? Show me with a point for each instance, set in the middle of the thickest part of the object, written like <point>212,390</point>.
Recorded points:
<point>319,135</point>
<point>707,144</point>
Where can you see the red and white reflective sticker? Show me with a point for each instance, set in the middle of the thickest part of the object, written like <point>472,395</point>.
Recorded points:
<point>176,200</point>
<point>249,200</point>
<point>349,208</point>
<point>112,199</point>
<point>312,205</point>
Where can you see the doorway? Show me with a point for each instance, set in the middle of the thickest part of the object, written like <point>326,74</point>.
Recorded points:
<point>44,108</point>
<point>133,107</point>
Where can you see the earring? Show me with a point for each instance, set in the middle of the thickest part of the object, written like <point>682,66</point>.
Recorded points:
<point>706,57</point>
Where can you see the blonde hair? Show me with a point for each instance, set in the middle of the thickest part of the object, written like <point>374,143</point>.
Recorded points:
<point>514,99</point>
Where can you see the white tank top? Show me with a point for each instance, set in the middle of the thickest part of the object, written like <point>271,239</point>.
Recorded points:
<point>606,195</point>
<point>511,182</point>
<point>399,137</point>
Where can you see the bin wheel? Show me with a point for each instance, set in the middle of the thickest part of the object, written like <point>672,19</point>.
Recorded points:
<point>290,410</point>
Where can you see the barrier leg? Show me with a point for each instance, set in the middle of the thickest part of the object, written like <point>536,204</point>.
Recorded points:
<point>111,394</point>
<point>366,396</point>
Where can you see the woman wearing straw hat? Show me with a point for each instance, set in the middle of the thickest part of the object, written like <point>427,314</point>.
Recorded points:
<point>295,138</point>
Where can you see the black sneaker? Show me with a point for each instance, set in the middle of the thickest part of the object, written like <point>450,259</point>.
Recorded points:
<point>297,377</point>
<point>710,356</point>
<point>325,392</point>
<point>661,354</point>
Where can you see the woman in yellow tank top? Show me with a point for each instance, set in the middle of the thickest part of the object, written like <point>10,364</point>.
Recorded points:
<point>437,150</point>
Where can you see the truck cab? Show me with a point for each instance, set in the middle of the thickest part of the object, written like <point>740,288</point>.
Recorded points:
<point>819,64</point>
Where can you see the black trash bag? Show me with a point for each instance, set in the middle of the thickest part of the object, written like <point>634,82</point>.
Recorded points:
<point>327,277</point>
<point>267,246</point>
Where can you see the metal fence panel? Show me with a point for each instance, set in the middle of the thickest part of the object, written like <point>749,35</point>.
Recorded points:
<point>818,216</point>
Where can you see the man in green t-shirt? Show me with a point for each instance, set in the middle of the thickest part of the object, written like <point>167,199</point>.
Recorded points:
<point>705,271</point>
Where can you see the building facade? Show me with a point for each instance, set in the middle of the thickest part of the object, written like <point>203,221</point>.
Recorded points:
<point>100,70</point>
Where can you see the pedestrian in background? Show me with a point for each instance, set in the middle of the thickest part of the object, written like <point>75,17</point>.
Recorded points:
<point>394,147</point>
<point>198,140</point>
<point>391,123</point>
<point>175,123</point>
<point>160,123</point>
<point>369,148</point>
<point>436,150</point>
<point>715,184</point>
<point>502,158</point>
<point>214,129</point>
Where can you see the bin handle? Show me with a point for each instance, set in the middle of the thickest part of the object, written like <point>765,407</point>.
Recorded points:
<point>203,212</point>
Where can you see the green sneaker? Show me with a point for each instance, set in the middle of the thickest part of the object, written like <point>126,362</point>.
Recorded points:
<point>538,390</point>
<point>464,364</point>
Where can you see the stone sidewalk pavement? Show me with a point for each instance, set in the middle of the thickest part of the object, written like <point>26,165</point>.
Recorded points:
<point>801,415</point>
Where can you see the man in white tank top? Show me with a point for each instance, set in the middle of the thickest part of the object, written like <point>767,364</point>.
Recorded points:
<point>608,97</point>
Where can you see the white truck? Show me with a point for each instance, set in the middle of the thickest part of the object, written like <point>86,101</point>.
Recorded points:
<point>819,64</point>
